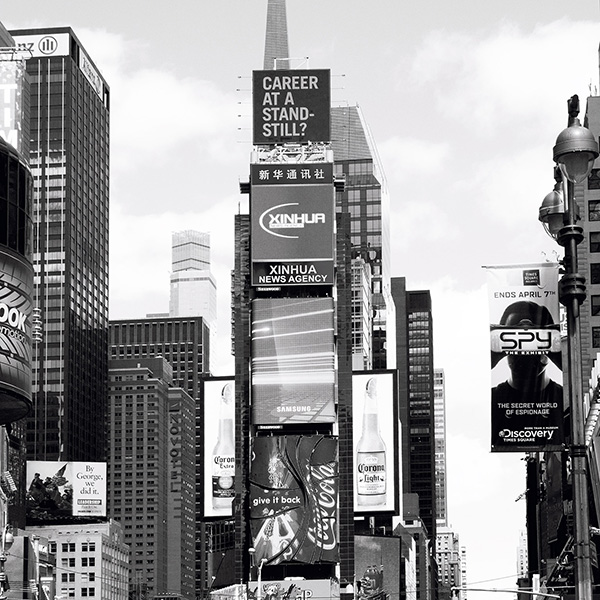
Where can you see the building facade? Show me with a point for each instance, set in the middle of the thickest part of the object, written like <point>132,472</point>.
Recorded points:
<point>183,341</point>
<point>68,156</point>
<point>366,198</point>
<point>414,338</point>
<point>151,474</point>
<point>441,497</point>
<point>92,561</point>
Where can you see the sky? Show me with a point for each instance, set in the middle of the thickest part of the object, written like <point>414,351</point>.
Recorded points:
<point>464,100</point>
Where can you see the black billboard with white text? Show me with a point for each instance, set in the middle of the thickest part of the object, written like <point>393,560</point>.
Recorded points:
<point>291,106</point>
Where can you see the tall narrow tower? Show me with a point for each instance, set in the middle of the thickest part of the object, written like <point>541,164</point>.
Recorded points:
<point>68,155</point>
<point>276,40</point>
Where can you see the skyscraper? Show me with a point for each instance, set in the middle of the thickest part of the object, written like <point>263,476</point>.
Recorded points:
<point>441,497</point>
<point>68,155</point>
<point>151,473</point>
<point>414,339</point>
<point>193,286</point>
<point>366,198</point>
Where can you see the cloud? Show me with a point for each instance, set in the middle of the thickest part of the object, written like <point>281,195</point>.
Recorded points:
<point>490,79</point>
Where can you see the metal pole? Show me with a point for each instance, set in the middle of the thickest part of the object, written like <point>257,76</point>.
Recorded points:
<point>572,293</point>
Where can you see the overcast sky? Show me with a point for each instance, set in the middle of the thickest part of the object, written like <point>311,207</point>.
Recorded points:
<point>464,100</point>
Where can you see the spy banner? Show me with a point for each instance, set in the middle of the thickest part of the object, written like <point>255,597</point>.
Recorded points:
<point>525,344</point>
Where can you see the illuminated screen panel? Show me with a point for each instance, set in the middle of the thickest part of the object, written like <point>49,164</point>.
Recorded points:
<point>12,73</point>
<point>293,499</point>
<point>292,224</point>
<point>293,368</point>
<point>16,277</point>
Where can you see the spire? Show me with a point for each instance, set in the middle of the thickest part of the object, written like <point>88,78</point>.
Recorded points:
<point>276,39</point>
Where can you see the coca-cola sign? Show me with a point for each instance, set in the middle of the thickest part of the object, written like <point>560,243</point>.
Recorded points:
<point>293,499</point>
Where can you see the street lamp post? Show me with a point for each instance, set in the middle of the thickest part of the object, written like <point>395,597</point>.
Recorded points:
<point>574,152</point>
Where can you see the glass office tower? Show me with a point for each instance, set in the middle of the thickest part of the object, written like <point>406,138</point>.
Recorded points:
<point>68,155</point>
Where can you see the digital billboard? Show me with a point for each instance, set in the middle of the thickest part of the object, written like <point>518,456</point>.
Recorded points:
<point>375,435</point>
<point>219,446</point>
<point>291,106</point>
<point>16,279</point>
<point>293,361</point>
<point>11,101</point>
<point>293,499</point>
<point>58,490</point>
<point>526,358</point>
<point>292,224</point>
<point>296,589</point>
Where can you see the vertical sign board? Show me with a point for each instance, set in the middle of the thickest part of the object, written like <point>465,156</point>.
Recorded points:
<point>292,224</point>
<point>59,490</point>
<point>375,430</point>
<point>291,106</point>
<point>293,361</point>
<point>293,499</point>
<point>219,446</point>
<point>527,393</point>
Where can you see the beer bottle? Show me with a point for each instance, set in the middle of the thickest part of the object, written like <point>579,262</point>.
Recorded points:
<point>371,474</point>
<point>223,489</point>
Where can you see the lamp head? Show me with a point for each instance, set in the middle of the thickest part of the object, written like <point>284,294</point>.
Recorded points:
<point>552,212</point>
<point>576,147</point>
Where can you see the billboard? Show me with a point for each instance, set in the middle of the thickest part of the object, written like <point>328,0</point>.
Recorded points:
<point>219,446</point>
<point>378,567</point>
<point>293,499</point>
<point>297,589</point>
<point>375,435</point>
<point>58,490</point>
<point>291,106</point>
<point>11,101</point>
<point>526,361</point>
<point>293,361</point>
<point>292,224</point>
<point>16,279</point>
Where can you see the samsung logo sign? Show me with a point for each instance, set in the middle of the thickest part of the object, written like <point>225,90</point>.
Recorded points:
<point>277,219</point>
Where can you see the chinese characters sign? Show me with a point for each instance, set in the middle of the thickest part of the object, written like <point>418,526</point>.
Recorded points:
<point>292,216</point>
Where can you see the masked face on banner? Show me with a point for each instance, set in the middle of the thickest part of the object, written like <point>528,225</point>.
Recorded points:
<point>525,343</point>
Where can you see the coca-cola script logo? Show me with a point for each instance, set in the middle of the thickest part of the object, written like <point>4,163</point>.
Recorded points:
<point>322,488</point>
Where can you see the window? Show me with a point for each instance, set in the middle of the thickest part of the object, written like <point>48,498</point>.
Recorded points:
<point>594,272</point>
<point>594,241</point>
<point>596,337</point>
<point>594,210</point>
<point>595,305</point>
